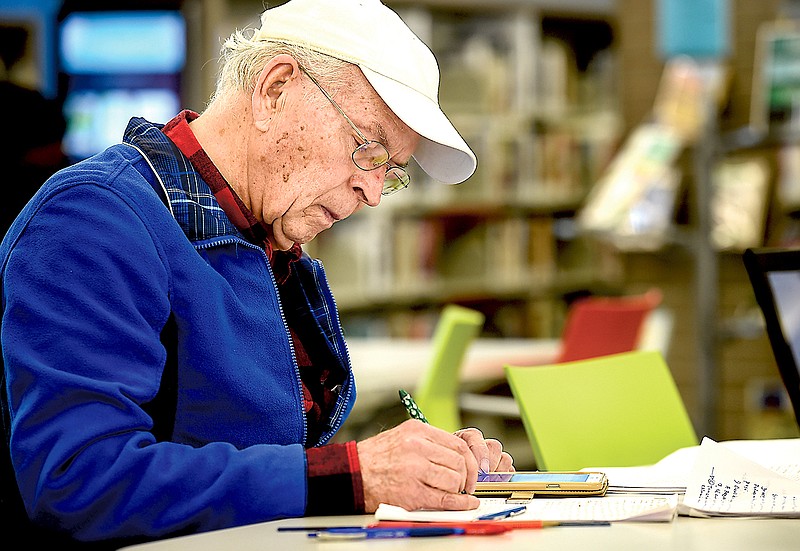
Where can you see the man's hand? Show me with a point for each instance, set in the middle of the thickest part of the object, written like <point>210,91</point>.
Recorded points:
<point>417,466</point>
<point>488,452</point>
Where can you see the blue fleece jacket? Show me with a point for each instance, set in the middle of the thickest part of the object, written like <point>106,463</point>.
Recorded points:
<point>92,271</point>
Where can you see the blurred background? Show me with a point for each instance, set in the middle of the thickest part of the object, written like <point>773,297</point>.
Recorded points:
<point>623,145</point>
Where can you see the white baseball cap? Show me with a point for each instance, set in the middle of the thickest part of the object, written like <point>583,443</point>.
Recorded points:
<point>398,65</point>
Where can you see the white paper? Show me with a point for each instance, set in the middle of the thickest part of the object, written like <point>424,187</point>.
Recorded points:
<point>723,482</point>
<point>643,480</point>
<point>609,508</point>
<point>668,476</point>
<point>392,512</point>
<point>671,474</point>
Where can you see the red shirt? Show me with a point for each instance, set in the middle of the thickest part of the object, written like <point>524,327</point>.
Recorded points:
<point>334,472</point>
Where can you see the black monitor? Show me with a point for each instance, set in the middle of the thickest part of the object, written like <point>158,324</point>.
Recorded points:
<point>775,276</point>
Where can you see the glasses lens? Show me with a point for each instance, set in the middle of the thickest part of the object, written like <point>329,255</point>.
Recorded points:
<point>396,179</point>
<point>370,155</point>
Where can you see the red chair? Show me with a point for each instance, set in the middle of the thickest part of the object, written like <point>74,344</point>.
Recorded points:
<point>599,326</point>
<point>595,326</point>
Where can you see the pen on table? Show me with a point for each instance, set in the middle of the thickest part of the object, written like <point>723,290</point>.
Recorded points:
<point>474,527</point>
<point>469,528</point>
<point>317,528</point>
<point>411,406</point>
<point>507,524</point>
<point>504,514</point>
<point>386,533</point>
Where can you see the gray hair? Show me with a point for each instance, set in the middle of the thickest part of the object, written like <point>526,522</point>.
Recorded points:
<point>243,58</point>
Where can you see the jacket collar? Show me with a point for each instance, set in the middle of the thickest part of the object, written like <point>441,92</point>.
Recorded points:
<point>193,204</point>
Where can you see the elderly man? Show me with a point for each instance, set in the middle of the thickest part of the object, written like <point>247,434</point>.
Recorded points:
<point>174,362</point>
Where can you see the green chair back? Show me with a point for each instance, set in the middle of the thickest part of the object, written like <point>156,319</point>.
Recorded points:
<point>614,411</point>
<point>437,393</point>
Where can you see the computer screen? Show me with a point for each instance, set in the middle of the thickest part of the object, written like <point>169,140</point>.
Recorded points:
<point>786,290</point>
<point>123,42</point>
<point>775,276</point>
<point>118,64</point>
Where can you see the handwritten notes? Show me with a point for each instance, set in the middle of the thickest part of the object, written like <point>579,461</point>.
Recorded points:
<point>724,483</point>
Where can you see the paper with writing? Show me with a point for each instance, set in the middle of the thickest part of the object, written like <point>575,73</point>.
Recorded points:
<point>724,483</point>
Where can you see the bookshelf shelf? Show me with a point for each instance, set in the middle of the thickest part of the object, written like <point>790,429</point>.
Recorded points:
<point>592,8</point>
<point>470,290</point>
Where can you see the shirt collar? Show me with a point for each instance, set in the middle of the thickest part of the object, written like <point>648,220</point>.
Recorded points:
<point>179,132</point>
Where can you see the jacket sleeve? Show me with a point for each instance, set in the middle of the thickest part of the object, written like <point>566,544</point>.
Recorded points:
<point>83,306</point>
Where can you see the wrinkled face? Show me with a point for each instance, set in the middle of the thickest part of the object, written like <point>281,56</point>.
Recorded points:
<point>301,174</point>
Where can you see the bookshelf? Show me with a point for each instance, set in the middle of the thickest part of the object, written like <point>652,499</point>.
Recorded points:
<point>719,350</point>
<point>531,87</point>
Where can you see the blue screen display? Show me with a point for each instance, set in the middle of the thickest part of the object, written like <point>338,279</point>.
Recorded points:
<point>786,289</point>
<point>532,477</point>
<point>123,42</point>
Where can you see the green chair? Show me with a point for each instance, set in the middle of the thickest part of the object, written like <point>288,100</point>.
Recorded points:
<point>614,411</point>
<point>437,393</point>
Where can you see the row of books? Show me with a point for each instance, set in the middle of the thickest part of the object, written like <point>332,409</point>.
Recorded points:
<point>521,163</point>
<point>540,125</point>
<point>370,256</point>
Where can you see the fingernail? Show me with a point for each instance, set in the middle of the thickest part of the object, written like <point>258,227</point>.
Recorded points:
<point>485,465</point>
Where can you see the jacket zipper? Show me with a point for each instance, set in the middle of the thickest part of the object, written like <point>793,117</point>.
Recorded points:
<point>299,388</point>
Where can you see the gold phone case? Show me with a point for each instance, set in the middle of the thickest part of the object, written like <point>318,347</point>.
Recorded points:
<point>542,488</point>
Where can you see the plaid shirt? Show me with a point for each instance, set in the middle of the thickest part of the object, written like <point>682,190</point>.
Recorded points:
<point>334,474</point>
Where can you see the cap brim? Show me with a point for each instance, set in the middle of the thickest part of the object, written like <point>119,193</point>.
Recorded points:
<point>442,152</point>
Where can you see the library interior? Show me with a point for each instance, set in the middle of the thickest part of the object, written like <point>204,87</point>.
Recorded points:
<point>629,153</point>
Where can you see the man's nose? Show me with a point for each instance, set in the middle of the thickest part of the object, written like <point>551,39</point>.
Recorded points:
<point>369,185</point>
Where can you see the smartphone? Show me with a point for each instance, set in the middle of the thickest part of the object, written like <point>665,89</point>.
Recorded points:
<point>542,483</point>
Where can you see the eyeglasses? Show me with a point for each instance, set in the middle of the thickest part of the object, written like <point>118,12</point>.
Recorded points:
<point>371,154</point>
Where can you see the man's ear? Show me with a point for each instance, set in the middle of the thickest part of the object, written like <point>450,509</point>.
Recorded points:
<point>272,84</point>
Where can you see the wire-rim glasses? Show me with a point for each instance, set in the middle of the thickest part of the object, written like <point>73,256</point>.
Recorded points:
<point>370,154</point>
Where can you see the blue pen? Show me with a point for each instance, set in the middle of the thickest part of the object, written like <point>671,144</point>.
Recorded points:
<point>504,514</point>
<point>383,533</point>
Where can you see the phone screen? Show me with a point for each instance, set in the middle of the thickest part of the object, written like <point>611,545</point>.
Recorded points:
<point>533,477</point>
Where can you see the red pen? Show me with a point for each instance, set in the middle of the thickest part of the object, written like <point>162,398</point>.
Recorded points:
<point>475,528</point>
<point>484,530</point>
<point>504,525</point>
<point>470,528</point>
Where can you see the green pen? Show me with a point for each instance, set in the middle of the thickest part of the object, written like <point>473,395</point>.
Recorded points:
<point>411,406</point>
<point>415,413</point>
